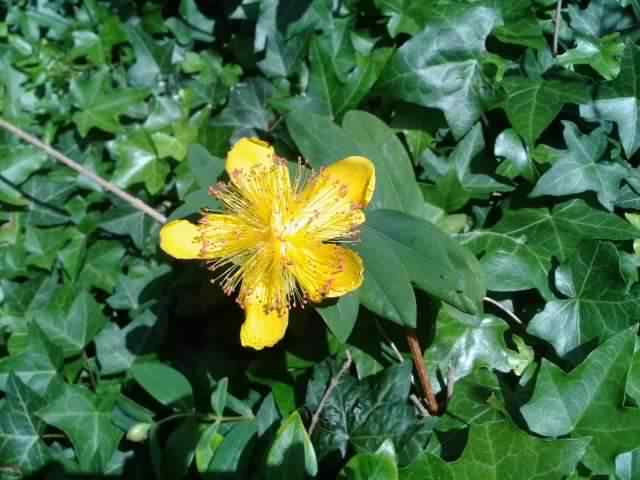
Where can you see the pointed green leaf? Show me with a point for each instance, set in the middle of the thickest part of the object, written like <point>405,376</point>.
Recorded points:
<point>86,420</point>
<point>598,304</point>
<point>588,402</point>
<point>291,454</point>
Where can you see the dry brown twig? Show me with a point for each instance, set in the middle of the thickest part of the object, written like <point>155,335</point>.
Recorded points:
<point>423,376</point>
<point>52,152</point>
<point>332,385</point>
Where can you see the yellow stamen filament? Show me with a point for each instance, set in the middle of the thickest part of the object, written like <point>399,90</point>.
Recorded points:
<point>264,241</point>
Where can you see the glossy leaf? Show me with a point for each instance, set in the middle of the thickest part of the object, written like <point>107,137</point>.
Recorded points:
<point>588,402</point>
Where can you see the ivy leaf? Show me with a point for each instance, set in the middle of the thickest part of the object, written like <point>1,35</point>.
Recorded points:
<point>579,170</point>
<point>102,265</point>
<point>532,104</point>
<point>334,89</point>
<point>125,220</point>
<point>71,319</point>
<point>20,430</point>
<point>617,101</point>
<point>17,163</point>
<point>517,161</point>
<point>454,182</point>
<point>602,54</point>
<point>440,66</point>
<point>601,17</point>
<point>597,305</point>
<point>100,106</point>
<point>118,348</point>
<point>381,465</point>
<point>247,106</point>
<point>491,453</point>
<point>36,365</point>
<point>86,419</point>
<point>466,342</point>
<point>588,402</point>
<point>135,289</point>
<point>519,248</point>
<point>138,161</point>
<point>363,414</point>
<point>153,58</point>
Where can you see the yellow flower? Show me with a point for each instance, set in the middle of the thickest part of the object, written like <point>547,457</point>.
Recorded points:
<point>278,241</point>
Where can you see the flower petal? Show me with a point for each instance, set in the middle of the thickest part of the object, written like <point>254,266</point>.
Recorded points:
<point>248,153</point>
<point>325,270</point>
<point>181,239</point>
<point>359,176</point>
<point>261,328</point>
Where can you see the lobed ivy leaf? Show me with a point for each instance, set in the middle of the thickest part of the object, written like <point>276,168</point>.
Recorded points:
<point>602,54</point>
<point>617,101</point>
<point>519,248</point>
<point>588,402</point>
<point>21,444</point>
<point>364,414</point>
<point>463,343</point>
<point>597,303</point>
<point>440,66</point>
<point>580,169</point>
<point>86,420</point>
<point>100,105</point>
<point>496,449</point>
<point>532,104</point>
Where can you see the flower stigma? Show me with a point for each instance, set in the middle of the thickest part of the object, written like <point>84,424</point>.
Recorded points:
<point>278,243</point>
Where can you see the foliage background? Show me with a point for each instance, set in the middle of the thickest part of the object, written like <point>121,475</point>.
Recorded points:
<point>502,229</point>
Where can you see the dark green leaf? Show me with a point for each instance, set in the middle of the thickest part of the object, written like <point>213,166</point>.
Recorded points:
<point>341,316</point>
<point>380,465</point>
<point>491,453</point>
<point>453,273</point>
<point>597,305</point>
<point>617,101</point>
<point>531,105</point>
<point>100,106</point>
<point>291,454</point>
<point>588,402</point>
<point>86,420</point>
<point>20,429</point>
<point>165,384</point>
<point>363,414</point>
<point>440,67</point>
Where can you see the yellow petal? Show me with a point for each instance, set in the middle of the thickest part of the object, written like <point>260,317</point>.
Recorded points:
<point>350,276</point>
<point>181,239</point>
<point>246,154</point>
<point>262,329</point>
<point>359,176</point>
<point>325,270</point>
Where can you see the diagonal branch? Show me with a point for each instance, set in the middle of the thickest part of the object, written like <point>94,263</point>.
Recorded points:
<point>130,199</point>
<point>423,376</point>
<point>332,385</point>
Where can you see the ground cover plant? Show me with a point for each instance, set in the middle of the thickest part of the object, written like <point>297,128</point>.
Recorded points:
<point>448,289</point>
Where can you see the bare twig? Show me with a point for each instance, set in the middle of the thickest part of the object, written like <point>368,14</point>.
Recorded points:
<point>332,384</point>
<point>556,30</point>
<point>501,307</point>
<point>423,376</point>
<point>130,199</point>
<point>419,405</point>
